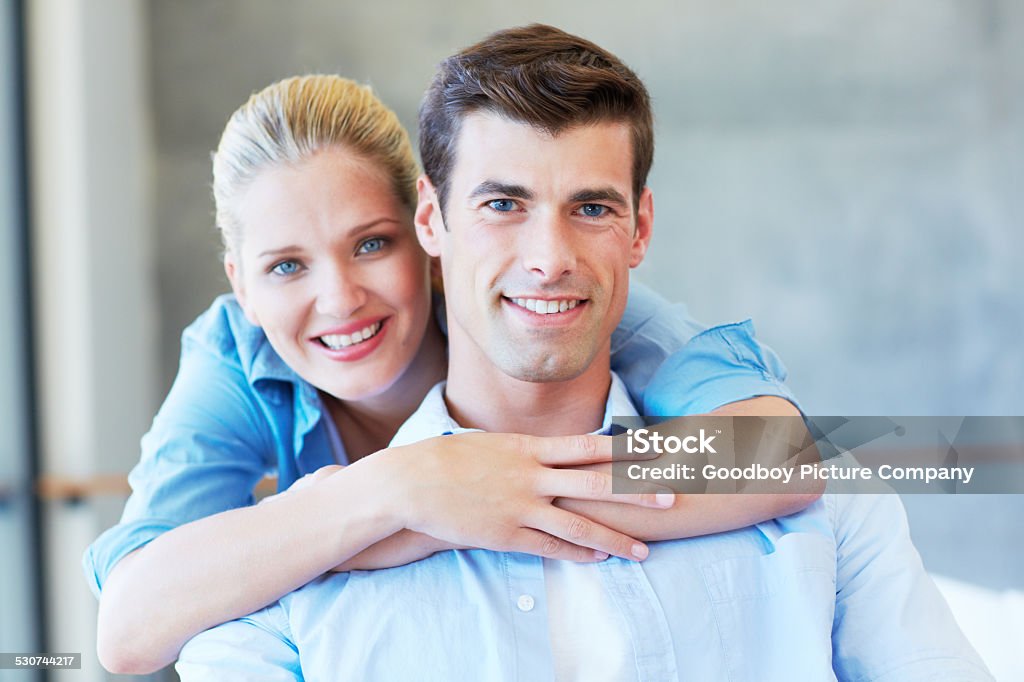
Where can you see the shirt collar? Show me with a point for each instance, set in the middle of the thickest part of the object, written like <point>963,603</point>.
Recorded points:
<point>269,375</point>
<point>433,419</point>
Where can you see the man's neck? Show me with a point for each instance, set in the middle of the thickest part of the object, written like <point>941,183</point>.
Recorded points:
<point>481,396</point>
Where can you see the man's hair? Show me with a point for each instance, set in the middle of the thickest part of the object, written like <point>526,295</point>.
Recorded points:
<point>538,75</point>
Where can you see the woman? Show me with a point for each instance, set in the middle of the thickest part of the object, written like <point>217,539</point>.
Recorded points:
<point>327,346</point>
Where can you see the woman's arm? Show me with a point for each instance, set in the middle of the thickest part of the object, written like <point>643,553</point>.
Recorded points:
<point>689,515</point>
<point>673,366</point>
<point>224,566</point>
<point>230,564</point>
<point>702,514</point>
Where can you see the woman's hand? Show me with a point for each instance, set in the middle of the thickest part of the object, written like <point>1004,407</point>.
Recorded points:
<point>495,491</point>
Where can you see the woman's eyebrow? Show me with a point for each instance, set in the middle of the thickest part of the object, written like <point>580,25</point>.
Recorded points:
<point>492,187</point>
<point>367,226</point>
<point>351,232</point>
<point>275,252</point>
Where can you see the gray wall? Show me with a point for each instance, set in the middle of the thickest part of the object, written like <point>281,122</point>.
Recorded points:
<point>843,172</point>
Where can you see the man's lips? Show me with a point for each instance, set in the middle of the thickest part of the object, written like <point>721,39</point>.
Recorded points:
<point>563,310</point>
<point>549,305</point>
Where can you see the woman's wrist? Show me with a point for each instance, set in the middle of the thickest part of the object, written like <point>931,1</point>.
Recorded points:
<point>372,501</point>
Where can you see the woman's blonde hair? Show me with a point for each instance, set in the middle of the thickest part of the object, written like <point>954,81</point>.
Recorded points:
<point>294,118</point>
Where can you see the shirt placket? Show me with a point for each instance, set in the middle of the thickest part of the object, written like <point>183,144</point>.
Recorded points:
<point>641,610</point>
<point>529,617</point>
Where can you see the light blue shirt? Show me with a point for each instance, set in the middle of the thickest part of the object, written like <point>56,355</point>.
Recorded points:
<point>237,412</point>
<point>834,592</point>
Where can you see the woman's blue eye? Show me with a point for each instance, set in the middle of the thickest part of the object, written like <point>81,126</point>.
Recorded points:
<point>593,210</point>
<point>287,267</point>
<point>372,245</point>
<point>502,205</point>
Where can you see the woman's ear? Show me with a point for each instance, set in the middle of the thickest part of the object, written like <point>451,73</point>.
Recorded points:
<point>428,219</point>
<point>234,273</point>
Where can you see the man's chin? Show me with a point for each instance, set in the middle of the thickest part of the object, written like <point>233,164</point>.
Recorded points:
<point>545,368</point>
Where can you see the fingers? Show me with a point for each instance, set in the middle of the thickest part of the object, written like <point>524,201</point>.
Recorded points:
<point>568,450</point>
<point>564,526</point>
<point>535,542</point>
<point>597,485</point>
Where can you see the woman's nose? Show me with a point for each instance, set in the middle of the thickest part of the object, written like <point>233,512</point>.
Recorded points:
<point>340,295</point>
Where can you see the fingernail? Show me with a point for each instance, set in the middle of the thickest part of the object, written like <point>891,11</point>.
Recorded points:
<point>665,499</point>
<point>599,555</point>
<point>639,551</point>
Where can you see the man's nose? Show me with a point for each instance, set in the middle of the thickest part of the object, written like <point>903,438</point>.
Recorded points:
<point>340,294</point>
<point>549,248</point>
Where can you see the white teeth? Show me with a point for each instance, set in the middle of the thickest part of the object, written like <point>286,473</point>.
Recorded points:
<point>545,307</point>
<point>336,341</point>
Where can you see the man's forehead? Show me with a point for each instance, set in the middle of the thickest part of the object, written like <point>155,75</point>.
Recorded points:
<point>492,149</point>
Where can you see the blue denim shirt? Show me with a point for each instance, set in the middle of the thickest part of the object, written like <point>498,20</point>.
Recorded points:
<point>237,412</point>
<point>834,592</point>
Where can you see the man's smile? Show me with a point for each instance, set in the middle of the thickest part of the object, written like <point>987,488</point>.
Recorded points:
<point>546,306</point>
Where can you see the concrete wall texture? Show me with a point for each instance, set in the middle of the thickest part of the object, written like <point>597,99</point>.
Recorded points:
<point>847,174</point>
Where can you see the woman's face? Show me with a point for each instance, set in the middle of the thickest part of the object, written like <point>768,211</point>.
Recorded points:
<point>330,268</point>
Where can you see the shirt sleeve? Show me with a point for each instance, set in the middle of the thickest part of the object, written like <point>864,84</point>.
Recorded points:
<point>256,647</point>
<point>650,331</point>
<point>718,366</point>
<point>205,452</point>
<point>891,623</point>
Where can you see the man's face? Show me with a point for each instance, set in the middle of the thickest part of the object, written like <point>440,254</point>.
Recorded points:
<point>541,235</point>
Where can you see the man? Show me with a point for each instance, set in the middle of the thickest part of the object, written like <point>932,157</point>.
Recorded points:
<point>537,219</point>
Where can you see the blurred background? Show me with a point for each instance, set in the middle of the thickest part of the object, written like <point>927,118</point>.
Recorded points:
<point>848,174</point>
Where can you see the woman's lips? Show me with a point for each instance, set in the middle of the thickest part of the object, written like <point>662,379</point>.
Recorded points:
<point>345,347</point>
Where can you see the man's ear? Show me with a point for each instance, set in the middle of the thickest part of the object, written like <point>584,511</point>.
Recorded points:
<point>644,227</point>
<point>428,219</point>
<point>234,273</point>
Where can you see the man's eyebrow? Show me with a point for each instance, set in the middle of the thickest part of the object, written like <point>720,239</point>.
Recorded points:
<point>605,194</point>
<point>492,187</point>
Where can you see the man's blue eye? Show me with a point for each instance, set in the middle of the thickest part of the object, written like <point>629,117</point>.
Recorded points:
<point>593,210</point>
<point>372,245</point>
<point>502,205</point>
<point>287,267</point>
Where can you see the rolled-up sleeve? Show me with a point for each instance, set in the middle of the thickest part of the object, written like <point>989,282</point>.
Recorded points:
<point>207,448</point>
<point>651,329</point>
<point>718,366</point>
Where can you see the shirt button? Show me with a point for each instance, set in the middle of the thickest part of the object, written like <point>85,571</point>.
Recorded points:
<point>525,602</point>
